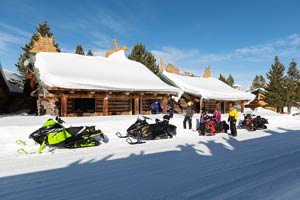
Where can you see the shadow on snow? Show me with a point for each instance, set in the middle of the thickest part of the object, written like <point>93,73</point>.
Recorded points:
<point>261,168</point>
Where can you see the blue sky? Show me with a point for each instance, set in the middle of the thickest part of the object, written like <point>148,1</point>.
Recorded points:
<point>238,37</point>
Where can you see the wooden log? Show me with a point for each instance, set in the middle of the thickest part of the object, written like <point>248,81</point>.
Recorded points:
<point>164,105</point>
<point>136,105</point>
<point>64,107</point>
<point>242,106</point>
<point>105,106</point>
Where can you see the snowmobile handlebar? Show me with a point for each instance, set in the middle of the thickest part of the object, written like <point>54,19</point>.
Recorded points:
<point>146,117</point>
<point>59,120</point>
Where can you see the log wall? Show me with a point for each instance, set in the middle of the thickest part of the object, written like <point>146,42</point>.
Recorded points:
<point>119,106</point>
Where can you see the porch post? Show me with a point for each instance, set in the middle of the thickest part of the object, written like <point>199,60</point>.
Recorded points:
<point>242,106</point>
<point>105,106</point>
<point>136,105</point>
<point>64,106</point>
<point>164,102</point>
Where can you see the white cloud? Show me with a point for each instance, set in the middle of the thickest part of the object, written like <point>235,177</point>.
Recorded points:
<point>102,41</point>
<point>14,30</point>
<point>113,22</point>
<point>190,58</point>
<point>6,39</point>
<point>243,63</point>
<point>10,35</point>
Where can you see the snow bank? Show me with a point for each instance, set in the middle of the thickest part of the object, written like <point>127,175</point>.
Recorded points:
<point>188,166</point>
<point>67,70</point>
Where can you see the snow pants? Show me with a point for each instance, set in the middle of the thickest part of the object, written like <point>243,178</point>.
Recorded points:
<point>233,128</point>
<point>189,120</point>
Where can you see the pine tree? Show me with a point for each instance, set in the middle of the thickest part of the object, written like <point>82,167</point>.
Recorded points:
<point>258,82</point>
<point>230,80</point>
<point>79,50</point>
<point>140,54</point>
<point>222,78</point>
<point>42,29</point>
<point>292,83</point>
<point>276,88</point>
<point>89,53</point>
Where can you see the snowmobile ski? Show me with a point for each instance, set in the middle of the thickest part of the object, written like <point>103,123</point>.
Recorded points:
<point>21,142</point>
<point>129,141</point>
<point>121,136</point>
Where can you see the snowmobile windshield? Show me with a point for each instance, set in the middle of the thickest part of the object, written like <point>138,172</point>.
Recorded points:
<point>49,122</point>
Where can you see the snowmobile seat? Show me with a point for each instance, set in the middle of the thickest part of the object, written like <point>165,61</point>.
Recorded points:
<point>74,130</point>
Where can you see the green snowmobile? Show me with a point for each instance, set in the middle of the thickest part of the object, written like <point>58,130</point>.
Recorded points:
<point>54,134</point>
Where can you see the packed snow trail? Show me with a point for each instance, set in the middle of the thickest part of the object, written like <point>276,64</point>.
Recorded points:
<point>255,165</point>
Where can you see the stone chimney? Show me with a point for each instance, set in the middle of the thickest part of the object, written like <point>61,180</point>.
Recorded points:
<point>207,72</point>
<point>115,49</point>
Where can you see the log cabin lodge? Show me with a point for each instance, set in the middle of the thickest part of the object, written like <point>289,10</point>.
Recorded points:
<point>76,85</point>
<point>69,84</point>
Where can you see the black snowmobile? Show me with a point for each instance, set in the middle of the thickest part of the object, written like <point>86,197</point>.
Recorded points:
<point>142,130</point>
<point>259,123</point>
<point>54,134</point>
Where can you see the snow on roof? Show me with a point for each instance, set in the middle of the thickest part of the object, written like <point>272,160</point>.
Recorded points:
<point>208,88</point>
<point>68,70</point>
<point>13,81</point>
<point>257,90</point>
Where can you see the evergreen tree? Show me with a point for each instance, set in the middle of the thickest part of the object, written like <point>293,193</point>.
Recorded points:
<point>292,85</point>
<point>140,54</point>
<point>79,50</point>
<point>89,53</point>
<point>276,89</point>
<point>230,80</point>
<point>222,78</point>
<point>42,29</point>
<point>258,82</point>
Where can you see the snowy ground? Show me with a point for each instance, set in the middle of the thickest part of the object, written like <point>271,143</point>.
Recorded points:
<point>254,165</point>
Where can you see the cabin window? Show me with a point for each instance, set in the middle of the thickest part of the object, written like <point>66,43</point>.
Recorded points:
<point>85,105</point>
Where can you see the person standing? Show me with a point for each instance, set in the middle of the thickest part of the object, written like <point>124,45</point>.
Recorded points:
<point>154,107</point>
<point>203,116</point>
<point>170,107</point>
<point>232,118</point>
<point>217,119</point>
<point>189,115</point>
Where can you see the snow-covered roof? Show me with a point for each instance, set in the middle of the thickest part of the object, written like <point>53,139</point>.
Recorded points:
<point>259,90</point>
<point>13,81</point>
<point>117,72</point>
<point>208,88</point>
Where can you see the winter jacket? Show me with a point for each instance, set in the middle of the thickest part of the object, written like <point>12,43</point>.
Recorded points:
<point>233,115</point>
<point>189,112</point>
<point>202,117</point>
<point>170,105</point>
<point>217,116</point>
<point>154,108</point>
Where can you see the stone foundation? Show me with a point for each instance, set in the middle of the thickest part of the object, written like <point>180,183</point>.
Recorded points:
<point>49,106</point>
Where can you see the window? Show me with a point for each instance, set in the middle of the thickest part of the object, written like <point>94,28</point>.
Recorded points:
<point>85,105</point>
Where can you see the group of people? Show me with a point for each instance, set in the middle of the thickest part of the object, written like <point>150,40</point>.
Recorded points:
<point>232,116</point>
<point>232,119</point>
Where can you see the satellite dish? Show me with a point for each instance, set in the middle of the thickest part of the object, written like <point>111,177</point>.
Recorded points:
<point>26,62</point>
